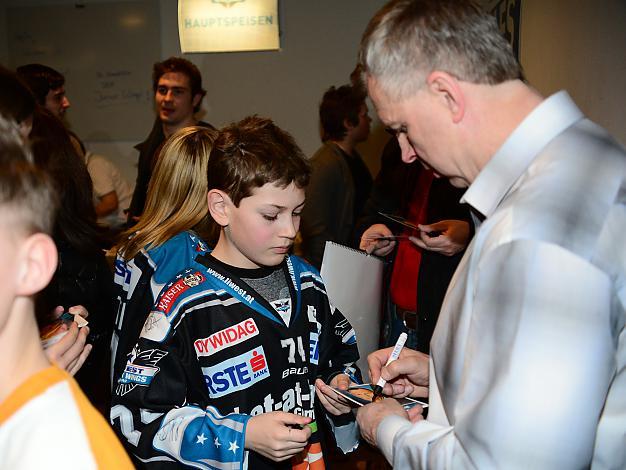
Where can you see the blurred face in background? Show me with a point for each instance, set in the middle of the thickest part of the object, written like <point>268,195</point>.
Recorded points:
<point>57,102</point>
<point>174,101</point>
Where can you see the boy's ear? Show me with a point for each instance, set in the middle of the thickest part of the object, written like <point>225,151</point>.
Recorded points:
<point>218,206</point>
<point>446,87</point>
<point>38,263</point>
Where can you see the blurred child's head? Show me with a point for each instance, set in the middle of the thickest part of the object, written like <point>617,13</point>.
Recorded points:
<point>28,255</point>
<point>176,199</point>
<point>256,180</point>
<point>26,195</point>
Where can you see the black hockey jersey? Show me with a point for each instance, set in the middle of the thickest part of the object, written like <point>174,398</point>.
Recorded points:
<point>213,353</point>
<point>137,284</point>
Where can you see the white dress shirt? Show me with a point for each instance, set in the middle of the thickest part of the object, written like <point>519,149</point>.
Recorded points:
<point>528,359</point>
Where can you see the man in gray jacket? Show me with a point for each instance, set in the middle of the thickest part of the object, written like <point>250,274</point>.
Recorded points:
<point>340,182</point>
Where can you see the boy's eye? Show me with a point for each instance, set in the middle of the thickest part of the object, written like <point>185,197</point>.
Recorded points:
<point>270,217</point>
<point>296,214</point>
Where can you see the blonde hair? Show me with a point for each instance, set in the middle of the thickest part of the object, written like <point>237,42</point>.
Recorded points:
<point>176,199</point>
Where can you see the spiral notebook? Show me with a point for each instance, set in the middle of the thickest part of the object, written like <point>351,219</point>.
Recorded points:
<point>354,285</point>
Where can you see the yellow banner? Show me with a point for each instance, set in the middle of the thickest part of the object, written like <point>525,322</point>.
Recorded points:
<point>228,25</point>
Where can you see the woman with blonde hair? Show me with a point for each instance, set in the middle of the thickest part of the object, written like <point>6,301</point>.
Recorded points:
<point>169,235</point>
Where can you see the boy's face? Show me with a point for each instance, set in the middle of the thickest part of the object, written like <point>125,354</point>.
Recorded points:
<point>262,229</point>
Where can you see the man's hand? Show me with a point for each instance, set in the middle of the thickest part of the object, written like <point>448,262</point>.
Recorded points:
<point>453,237</point>
<point>371,242</point>
<point>277,435</point>
<point>369,416</point>
<point>70,352</point>
<point>333,402</point>
<point>406,376</point>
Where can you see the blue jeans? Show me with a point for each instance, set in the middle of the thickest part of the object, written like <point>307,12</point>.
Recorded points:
<point>393,326</point>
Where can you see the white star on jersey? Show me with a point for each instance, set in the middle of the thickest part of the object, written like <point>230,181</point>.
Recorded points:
<point>216,442</point>
<point>233,447</point>
<point>201,439</point>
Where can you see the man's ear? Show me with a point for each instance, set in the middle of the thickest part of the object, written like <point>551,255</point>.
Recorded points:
<point>195,101</point>
<point>38,262</point>
<point>446,87</point>
<point>218,206</point>
<point>348,125</point>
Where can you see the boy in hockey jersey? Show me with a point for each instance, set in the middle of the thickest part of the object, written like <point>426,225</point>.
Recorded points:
<point>38,401</point>
<point>224,373</point>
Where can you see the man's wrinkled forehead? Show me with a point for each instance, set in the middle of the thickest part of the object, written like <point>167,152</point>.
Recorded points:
<point>382,103</point>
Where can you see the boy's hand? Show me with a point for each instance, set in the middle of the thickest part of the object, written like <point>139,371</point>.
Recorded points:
<point>277,435</point>
<point>333,402</point>
<point>70,352</point>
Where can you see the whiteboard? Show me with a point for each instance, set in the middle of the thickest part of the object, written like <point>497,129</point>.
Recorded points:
<point>106,53</point>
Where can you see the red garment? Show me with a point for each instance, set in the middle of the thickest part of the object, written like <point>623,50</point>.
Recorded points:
<point>406,265</point>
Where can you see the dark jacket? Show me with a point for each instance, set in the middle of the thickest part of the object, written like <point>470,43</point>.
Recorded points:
<point>391,193</point>
<point>147,150</point>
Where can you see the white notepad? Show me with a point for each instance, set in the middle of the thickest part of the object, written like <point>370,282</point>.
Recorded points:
<point>354,285</point>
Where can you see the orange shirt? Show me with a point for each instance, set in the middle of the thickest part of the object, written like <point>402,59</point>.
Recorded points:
<point>47,422</point>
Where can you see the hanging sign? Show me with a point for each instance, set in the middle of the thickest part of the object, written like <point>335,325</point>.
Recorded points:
<point>228,25</point>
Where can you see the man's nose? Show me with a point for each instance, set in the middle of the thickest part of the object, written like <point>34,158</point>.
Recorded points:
<point>408,152</point>
<point>66,103</point>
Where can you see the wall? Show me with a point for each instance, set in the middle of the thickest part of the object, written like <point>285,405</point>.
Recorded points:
<point>319,41</point>
<point>578,45</point>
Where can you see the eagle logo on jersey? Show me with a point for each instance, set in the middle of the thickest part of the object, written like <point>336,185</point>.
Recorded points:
<point>140,369</point>
<point>192,280</point>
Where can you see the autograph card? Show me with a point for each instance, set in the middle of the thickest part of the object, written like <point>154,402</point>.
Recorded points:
<point>362,395</point>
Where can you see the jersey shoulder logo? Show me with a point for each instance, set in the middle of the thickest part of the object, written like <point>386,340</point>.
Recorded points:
<point>140,369</point>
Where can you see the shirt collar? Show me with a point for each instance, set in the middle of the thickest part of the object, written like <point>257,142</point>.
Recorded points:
<point>544,123</point>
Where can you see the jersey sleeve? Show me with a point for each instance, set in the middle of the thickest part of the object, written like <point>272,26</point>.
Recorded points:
<point>159,409</point>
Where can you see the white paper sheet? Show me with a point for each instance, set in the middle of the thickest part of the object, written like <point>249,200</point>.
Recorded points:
<point>354,285</point>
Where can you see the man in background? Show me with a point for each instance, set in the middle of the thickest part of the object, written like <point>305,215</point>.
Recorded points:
<point>178,93</point>
<point>340,182</point>
<point>48,86</point>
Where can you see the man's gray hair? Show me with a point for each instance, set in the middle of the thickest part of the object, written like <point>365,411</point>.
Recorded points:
<point>408,39</point>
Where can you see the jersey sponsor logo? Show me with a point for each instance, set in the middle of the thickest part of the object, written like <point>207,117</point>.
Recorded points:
<point>122,273</point>
<point>231,284</point>
<point>168,298</point>
<point>237,373</point>
<point>314,348</point>
<point>282,305</point>
<point>226,338</point>
<point>295,371</point>
<point>140,369</point>
<point>140,375</point>
<point>298,399</point>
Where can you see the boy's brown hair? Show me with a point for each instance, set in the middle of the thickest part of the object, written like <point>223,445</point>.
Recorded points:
<point>251,153</point>
<point>25,192</point>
